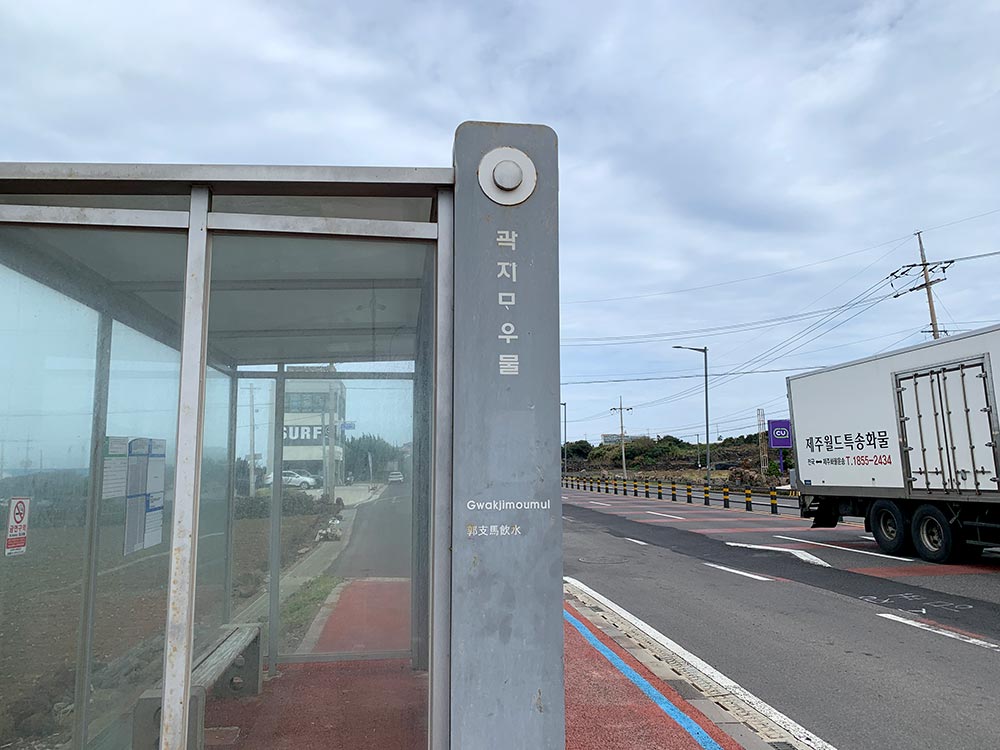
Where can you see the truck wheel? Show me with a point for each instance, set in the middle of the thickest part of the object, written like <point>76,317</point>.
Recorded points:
<point>933,537</point>
<point>828,515</point>
<point>889,527</point>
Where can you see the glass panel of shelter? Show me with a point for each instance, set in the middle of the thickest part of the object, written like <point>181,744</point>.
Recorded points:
<point>372,299</point>
<point>338,461</point>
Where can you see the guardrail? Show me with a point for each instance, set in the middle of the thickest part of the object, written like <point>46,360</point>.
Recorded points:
<point>602,485</point>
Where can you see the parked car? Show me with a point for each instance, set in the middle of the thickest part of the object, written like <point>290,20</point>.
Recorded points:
<point>290,478</point>
<point>395,477</point>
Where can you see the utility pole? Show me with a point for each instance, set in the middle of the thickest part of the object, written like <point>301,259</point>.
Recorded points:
<point>927,285</point>
<point>253,453</point>
<point>621,434</point>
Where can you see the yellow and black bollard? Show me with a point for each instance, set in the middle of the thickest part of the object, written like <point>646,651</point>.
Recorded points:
<point>659,490</point>
<point>706,495</point>
<point>616,486</point>
<point>725,497</point>
<point>635,488</point>
<point>647,488</point>
<point>689,493</point>
<point>749,498</point>
<point>774,502</point>
<point>673,491</point>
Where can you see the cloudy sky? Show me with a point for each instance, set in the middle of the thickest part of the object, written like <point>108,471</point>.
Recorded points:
<point>722,163</point>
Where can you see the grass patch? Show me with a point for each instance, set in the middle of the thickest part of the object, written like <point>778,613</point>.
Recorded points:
<point>299,609</point>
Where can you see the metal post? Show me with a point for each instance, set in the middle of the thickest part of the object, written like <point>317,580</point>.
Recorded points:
<point>708,435</point>
<point>274,544</point>
<point>443,477</point>
<point>253,448</point>
<point>179,635</point>
<point>234,392</point>
<point>98,432</point>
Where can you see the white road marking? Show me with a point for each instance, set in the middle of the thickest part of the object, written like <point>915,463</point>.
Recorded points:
<point>845,549</point>
<point>636,541</point>
<point>796,730</point>
<point>941,631</point>
<point>594,502</point>
<point>801,554</point>
<point>867,538</point>
<point>568,519</point>
<point>565,497</point>
<point>738,572</point>
<point>665,515</point>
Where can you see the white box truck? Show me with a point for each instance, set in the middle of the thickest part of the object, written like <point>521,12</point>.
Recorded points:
<point>908,440</point>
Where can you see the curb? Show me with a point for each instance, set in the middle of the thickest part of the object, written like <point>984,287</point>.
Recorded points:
<point>737,712</point>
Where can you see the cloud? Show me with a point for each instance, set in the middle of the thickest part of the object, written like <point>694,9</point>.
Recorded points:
<point>700,142</point>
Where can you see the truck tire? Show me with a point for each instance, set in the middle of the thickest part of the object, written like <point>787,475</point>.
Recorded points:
<point>828,515</point>
<point>935,539</point>
<point>889,527</point>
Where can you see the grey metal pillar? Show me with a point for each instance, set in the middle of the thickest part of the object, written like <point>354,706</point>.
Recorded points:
<point>187,479</point>
<point>274,543</point>
<point>98,433</point>
<point>234,391</point>
<point>421,472</point>
<point>507,626</point>
<point>441,477</point>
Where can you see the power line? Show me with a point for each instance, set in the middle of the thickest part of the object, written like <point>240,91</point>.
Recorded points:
<point>643,338</point>
<point>783,271</point>
<point>686,377</point>
<point>736,281</point>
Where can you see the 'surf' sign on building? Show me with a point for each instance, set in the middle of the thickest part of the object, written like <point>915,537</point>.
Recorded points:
<point>305,434</point>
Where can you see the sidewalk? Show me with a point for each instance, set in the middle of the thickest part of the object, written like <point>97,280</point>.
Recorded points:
<point>629,686</point>
<point>614,701</point>
<point>621,691</point>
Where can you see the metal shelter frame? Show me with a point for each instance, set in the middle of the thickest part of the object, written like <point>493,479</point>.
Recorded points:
<point>56,187</point>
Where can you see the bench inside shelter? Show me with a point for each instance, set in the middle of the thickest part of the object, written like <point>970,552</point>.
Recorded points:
<point>233,669</point>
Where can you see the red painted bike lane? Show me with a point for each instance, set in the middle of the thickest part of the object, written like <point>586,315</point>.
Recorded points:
<point>605,708</point>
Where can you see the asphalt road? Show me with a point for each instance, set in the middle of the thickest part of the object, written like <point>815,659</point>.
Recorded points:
<point>380,539</point>
<point>832,647</point>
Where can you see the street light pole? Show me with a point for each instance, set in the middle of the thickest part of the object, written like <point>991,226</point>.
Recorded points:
<point>565,464</point>
<point>708,439</point>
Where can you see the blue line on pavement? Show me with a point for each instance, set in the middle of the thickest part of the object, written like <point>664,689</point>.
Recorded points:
<point>686,722</point>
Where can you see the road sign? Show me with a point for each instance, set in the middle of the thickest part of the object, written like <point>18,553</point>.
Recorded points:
<point>779,433</point>
<point>17,527</point>
<point>347,425</point>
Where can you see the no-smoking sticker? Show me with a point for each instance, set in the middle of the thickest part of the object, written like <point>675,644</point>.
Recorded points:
<point>17,527</point>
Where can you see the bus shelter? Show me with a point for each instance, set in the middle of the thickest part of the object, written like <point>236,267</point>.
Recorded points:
<point>279,453</point>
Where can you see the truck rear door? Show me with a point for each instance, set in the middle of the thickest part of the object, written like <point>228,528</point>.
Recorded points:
<point>946,424</point>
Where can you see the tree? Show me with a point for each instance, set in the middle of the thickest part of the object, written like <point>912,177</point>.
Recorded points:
<point>356,451</point>
<point>578,449</point>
